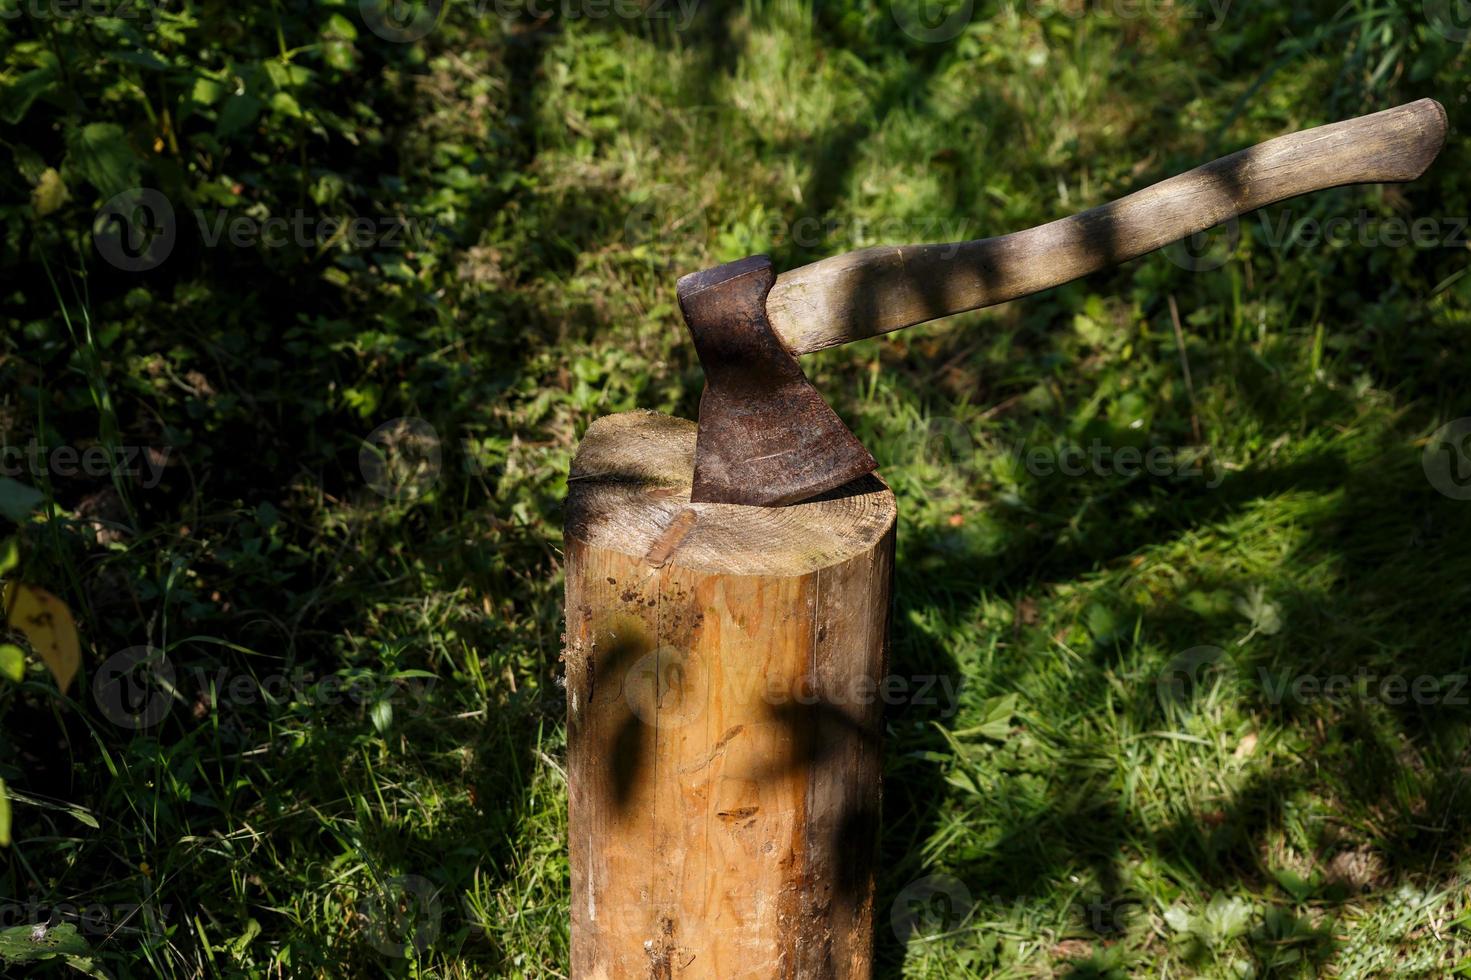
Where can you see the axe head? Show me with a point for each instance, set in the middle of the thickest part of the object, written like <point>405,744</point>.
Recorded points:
<point>766,437</point>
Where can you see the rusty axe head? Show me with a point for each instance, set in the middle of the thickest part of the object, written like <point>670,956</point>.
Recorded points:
<point>766,437</point>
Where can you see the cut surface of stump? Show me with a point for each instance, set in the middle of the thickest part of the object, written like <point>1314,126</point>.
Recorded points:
<point>724,672</point>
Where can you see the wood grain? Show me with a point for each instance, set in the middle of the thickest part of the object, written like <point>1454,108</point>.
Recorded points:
<point>723,722</point>
<point>876,290</point>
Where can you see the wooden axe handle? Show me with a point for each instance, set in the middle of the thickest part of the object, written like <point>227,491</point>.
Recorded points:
<point>875,290</point>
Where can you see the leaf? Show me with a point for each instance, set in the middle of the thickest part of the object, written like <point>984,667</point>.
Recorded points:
<point>16,100</point>
<point>282,75</point>
<point>238,112</point>
<point>48,625</point>
<point>4,816</point>
<point>85,964</point>
<point>996,719</point>
<point>241,943</point>
<point>1263,615</point>
<point>49,194</point>
<point>382,715</point>
<point>340,26</point>
<point>17,500</point>
<point>1294,884</point>
<point>28,162</point>
<point>1178,918</point>
<point>28,944</point>
<point>70,809</point>
<point>12,662</point>
<point>207,90</point>
<point>337,38</point>
<point>285,103</point>
<point>33,944</point>
<point>9,555</point>
<point>337,54</point>
<point>1217,602</point>
<point>143,59</point>
<point>1101,624</point>
<point>1227,918</point>
<point>101,154</point>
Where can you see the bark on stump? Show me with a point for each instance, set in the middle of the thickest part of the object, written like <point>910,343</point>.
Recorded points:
<point>724,717</point>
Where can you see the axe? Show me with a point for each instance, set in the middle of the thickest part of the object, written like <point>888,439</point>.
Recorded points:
<point>767,438</point>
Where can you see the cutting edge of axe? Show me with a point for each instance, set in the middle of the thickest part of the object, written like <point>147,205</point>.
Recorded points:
<point>767,438</point>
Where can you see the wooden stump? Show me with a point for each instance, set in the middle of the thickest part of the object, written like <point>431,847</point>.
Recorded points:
<point>724,717</point>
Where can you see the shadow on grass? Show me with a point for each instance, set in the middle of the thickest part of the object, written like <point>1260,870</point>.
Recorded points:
<point>1390,764</point>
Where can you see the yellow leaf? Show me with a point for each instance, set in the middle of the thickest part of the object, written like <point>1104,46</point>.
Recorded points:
<point>49,194</point>
<point>48,624</point>
<point>4,816</point>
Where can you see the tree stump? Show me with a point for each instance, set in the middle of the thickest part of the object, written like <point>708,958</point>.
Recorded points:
<point>723,715</point>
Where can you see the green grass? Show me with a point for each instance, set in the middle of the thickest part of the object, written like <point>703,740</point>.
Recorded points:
<point>1123,789</point>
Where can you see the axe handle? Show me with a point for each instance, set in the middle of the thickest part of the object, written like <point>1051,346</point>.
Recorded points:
<point>875,290</point>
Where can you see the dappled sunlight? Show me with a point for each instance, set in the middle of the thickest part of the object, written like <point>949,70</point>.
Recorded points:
<point>1181,576</point>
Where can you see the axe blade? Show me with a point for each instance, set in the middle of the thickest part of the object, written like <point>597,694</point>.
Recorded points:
<point>766,437</point>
